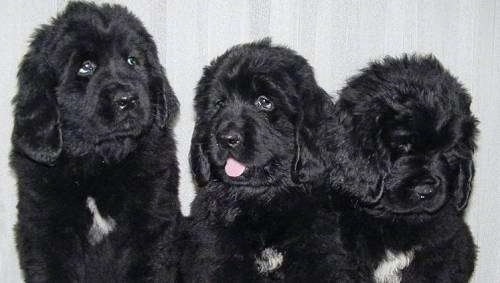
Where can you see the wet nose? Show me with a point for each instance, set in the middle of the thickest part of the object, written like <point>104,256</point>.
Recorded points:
<point>126,101</point>
<point>427,188</point>
<point>231,139</point>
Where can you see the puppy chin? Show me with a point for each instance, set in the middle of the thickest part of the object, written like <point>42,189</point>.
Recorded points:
<point>386,215</point>
<point>404,213</point>
<point>113,152</point>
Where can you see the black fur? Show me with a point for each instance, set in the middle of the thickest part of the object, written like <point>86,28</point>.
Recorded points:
<point>403,143</point>
<point>273,204</point>
<point>105,135</point>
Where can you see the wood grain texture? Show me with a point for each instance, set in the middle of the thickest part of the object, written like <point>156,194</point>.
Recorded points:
<point>337,37</point>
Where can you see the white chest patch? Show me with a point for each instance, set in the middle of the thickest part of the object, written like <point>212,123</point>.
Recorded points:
<point>390,268</point>
<point>269,260</point>
<point>100,226</point>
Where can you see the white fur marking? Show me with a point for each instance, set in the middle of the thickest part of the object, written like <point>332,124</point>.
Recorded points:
<point>390,268</point>
<point>100,226</point>
<point>269,260</point>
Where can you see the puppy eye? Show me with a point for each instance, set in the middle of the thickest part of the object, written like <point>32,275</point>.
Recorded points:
<point>404,148</point>
<point>264,103</point>
<point>87,68</point>
<point>132,61</point>
<point>220,103</point>
<point>402,141</point>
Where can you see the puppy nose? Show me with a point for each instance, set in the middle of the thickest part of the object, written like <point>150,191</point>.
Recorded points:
<point>126,101</point>
<point>231,139</point>
<point>427,188</point>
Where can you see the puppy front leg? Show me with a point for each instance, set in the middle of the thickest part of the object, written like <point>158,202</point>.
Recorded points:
<point>451,263</point>
<point>43,254</point>
<point>459,261</point>
<point>32,254</point>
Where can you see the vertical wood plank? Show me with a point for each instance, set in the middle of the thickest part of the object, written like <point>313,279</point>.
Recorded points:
<point>482,212</point>
<point>260,18</point>
<point>337,37</point>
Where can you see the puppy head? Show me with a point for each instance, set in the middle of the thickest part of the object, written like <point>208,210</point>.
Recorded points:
<point>256,105</point>
<point>90,84</point>
<point>407,138</point>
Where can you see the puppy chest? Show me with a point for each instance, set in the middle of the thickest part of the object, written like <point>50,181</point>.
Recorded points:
<point>101,226</point>
<point>390,268</point>
<point>269,260</point>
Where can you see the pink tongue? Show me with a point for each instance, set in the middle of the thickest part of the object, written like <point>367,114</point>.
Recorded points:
<point>234,168</point>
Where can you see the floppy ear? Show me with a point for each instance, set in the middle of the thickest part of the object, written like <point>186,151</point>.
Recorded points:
<point>464,183</point>
<point>198,159</point>
<point>166,104</point>
<point>308,165</point>
<point>37,132</point>
<point>200,167</point>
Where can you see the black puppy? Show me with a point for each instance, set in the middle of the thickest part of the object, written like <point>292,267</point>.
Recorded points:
<point>93,151</point>
<point>254,156</point>
<point>403,147</point>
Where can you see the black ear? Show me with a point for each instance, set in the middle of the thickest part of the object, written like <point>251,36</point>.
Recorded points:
<point>464,183</point>
<point>309,165</point>
<point>37,132</point>
<point>200,167</point>
<point>198,158</point>
<point>166,103</point>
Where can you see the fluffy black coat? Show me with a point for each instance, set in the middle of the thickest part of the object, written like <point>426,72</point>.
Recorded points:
<point>93,152</point>
<point>259,104</point>
<point>403,143</point>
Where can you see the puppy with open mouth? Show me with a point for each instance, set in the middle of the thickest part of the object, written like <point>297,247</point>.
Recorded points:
<point>256,159</point>
<point>403,143</point>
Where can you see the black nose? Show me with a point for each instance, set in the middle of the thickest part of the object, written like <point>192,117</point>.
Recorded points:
<point>427,188</point>
<point>126,101</point>
<point>231,139</point>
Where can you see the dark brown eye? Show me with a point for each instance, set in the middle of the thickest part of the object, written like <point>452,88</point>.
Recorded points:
<point>404,148</point>
<point>264,103</point>
<point>401,141</point>
<point>132,61</point>
<point>87,68</point>
<point>220,103</point>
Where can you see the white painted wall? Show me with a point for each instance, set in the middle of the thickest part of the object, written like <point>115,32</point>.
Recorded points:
<point>337,37</point>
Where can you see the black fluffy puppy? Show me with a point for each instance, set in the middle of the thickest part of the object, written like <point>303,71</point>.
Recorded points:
<point>404,144</point>
<point>255,158</point>
<point>93,151</point>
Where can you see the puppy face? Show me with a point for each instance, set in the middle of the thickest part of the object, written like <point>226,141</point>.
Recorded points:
<point>103,92</point>
<point>252,131</point>
<point>103,79</point>
<point>409,138</point>
<point>250,103</point>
